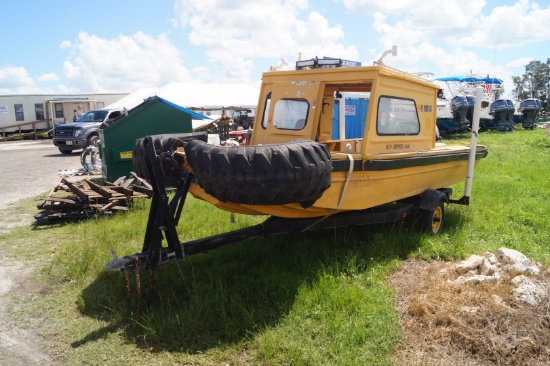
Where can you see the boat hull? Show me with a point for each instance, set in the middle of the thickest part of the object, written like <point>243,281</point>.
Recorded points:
<point>369,182</point>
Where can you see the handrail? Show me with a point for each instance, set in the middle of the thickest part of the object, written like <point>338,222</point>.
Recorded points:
<point>19,127</point>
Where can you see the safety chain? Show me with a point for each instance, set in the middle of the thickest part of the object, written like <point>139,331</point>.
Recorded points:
<point>138,285</point>
<point>152,285</point>
<point>127,280</point>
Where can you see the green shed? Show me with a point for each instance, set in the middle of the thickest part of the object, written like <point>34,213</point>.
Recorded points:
<point>152,117</point>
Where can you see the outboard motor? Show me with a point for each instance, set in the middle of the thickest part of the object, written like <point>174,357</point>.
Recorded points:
<point>529,109</point>
<point>510,115</point>
<point>470,113</point>
<point>499,109</point>
<point>459,107</point>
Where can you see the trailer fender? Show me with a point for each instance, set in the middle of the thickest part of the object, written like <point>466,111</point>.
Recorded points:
<point>430,210</point>
<point>431,198</point>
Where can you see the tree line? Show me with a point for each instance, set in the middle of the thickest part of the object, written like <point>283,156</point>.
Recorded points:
<point>534,83</point>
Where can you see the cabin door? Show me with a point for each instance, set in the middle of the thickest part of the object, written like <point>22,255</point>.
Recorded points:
<point>292,111</point>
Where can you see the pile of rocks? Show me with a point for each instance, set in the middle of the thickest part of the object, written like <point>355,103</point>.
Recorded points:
<point>505,263</point>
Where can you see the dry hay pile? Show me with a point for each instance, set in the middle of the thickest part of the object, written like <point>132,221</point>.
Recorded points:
<point>446,322</point>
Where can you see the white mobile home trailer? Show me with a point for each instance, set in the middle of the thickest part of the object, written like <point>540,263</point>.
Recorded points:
<point>31,112</point>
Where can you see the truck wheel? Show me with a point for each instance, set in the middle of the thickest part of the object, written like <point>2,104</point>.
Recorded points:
<point>93,140</point>
<point>64,151</point>
<point>431,221</point>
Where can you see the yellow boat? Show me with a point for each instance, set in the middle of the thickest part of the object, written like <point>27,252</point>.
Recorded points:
<point>396,157</point>
<point>388,165</point>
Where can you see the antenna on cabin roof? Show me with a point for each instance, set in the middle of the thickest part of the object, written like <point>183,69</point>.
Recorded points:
<point>393,52</point>
<point>423,74</point>
<point>282,65</point>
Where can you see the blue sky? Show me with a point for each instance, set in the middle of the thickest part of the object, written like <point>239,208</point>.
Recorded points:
<point>121,45</point>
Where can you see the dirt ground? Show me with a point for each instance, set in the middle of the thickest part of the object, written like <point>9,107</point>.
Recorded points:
<point>468,324</point>
<point>28,169</point>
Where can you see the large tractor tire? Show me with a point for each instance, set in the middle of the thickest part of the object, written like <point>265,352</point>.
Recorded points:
<point>295,172</point>
<point>163,144</point>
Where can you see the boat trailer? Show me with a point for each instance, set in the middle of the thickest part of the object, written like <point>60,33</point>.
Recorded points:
<point>164,216</point>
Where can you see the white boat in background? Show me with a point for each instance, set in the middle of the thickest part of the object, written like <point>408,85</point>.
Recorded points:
<point>455,104</point>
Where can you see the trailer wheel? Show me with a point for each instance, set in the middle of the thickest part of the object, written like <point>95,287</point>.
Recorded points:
<point>431,221</point>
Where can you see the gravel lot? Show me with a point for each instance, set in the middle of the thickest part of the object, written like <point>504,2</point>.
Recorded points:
<point>31,168</point>
<point>28,169</point>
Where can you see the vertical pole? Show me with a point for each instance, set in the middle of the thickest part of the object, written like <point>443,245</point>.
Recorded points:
<point>342,117</point>
<point>473,142</point>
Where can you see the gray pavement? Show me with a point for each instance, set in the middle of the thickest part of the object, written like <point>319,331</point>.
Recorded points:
<point>27,169</point>
<point>31,168</point>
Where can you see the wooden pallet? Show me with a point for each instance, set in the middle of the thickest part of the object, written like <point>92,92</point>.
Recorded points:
<point>83,199</point>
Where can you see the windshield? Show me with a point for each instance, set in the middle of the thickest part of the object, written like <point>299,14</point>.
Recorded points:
<point>92,116</point>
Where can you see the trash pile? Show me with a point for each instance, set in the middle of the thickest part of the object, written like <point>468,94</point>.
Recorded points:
<point>491,308</point>
<point>85,198</point>
<point>510,263</point>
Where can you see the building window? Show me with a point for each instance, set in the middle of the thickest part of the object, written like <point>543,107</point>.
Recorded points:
<point>19,116</point>
<point>100,105</point>
<point>290,114</point>
<point>397,116</point>
<point>39,110</point>
<point>58,110</point>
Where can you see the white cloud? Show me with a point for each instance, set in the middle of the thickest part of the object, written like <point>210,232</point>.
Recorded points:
<point>458,22</point>
<point>519,62</point>
<point>16,79</point>
<point>394,7</point>
<point>447,39</point>
<point>509,26</point>
<point>65,45</point>
<point>173,22</point>
<point>124,63</point>
<point>238,33</point>
<point>48,77</point>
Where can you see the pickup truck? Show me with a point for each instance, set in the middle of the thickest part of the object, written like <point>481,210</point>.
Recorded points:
<point>84,132</point>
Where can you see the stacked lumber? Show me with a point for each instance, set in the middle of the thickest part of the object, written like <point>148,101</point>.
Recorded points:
<point>85,198</point>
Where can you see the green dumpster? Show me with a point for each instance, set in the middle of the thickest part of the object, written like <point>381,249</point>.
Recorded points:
<point>153,117</point>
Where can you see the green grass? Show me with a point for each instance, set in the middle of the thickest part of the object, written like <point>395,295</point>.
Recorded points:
<point>317,298</point>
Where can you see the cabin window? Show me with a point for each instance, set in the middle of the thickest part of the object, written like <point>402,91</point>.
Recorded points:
<point>58,107</point>
<point>39,111</point>
<point>19,116</point>
<point>290,114</point>
<point>397,116</point>
<point>267,104</point>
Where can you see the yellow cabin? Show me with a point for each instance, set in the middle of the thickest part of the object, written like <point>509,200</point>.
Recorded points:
<point>397,155</point>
